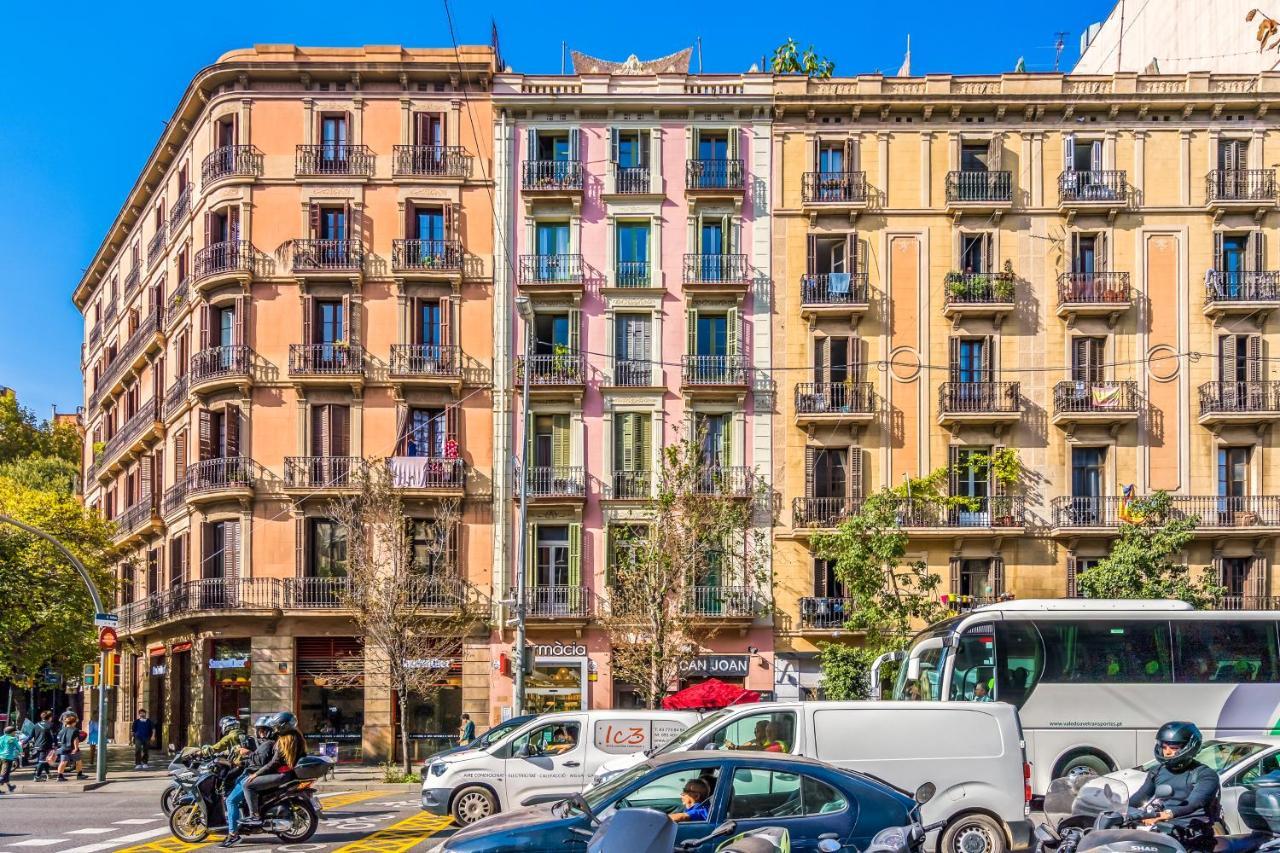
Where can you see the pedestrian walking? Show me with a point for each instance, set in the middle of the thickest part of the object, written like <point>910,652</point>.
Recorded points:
<point>143,730</point>
<point>42,745</point>
<point>9,751</point>
<point>69,737</point>
<point>467,731</point>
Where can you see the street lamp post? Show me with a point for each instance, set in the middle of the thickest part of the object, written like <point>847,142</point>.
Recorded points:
<point>525,309</point>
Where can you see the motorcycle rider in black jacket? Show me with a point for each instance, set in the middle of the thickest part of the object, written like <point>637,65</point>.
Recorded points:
<point>1192,807</point>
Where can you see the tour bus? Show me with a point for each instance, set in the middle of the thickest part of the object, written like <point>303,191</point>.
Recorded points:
<point>1093,679</point>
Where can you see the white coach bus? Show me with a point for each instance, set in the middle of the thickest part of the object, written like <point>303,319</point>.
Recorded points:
<point>1094,679</point>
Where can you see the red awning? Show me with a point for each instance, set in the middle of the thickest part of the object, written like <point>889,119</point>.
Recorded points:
<point>708,696</point>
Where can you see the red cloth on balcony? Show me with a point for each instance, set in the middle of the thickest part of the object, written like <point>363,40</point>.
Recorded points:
<point>709,695</point>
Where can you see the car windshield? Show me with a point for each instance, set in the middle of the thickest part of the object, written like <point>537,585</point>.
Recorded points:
<point>601,795</point>
<point>694,733</point>
<point>1219,755</point>
<point>498,732</point>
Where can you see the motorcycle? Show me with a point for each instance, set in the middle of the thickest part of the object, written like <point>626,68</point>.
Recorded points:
<point>183,769</point>
<point>291,812</point>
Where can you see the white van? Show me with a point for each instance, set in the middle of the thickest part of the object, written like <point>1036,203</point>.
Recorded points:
<point>972,751</point>
<point>544,760</point>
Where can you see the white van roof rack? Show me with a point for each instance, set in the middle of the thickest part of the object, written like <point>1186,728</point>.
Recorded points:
<point>1085,604</point>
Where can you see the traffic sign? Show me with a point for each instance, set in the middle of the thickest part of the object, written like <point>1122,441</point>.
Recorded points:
<point>106,620</point>
<point>107,639</point>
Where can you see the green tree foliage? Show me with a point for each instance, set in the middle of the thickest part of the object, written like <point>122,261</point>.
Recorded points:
<point>50,473</point>
<point>1142,562</point>
<point>21,436</point>
<point>787,59</point>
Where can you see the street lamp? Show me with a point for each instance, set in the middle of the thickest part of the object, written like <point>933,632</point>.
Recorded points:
<point>525,309</point>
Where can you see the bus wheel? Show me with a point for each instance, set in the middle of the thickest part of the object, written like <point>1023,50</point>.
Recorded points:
<point>1083,761</point>
<point>973,833</point>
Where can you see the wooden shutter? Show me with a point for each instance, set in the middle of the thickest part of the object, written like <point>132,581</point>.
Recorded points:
<point>852,155</point>
<point>810,470</point>
<point>1254,364</point>
<point>314,223</point>
<point>988,374</point>
<point>560,451</point>
<point>206,325</point>
<point>308,315</point>
<point>300,546</point>
<point>1259,584</point>
<point>575,330</point>
<point>531,558</point>
<point>242,311</point>
<point>233,222</point>
<point>145,477</point>
<point>1219,570</point>
<point>997,576</point>
<point>531,142</point>
<point>732,331</point>
<point>953,349</point>
<point>627,442</point>
<point>339,431</point>
<point>953,468</point>
<point>575,144</point>
<point>319,430</point>
<point>452,423</point>
<point>819,578</point>
<point>613,146</point>
<point>231,550</point>
<point>996,487</point>
<point>1253,252</point>
<point>1100,259</point>
<point>231,416</point>
<point>208,228</point>
<point>1095,155</point>
<point>450,221</point>
<point>180,456</point>
<point>1228,345</point>
<point>1080,358</point>
<point>855,359</point>
<point>402,429</point>
<point>812,255</point>
<point>734,144</point>
<point>851,253</point>
<point>854,485</point>
<point>1217,251</point>
<point>1068,152</point>
<point>817,154</point>
<point>821,359</point>
<point>206,434</point>
<point>575,554</point>
<point>1071,576</point>
<point>691,331</point>
<point>994,150</point>
<point>644,441</point>
<point>348,320</point>
<point>955,563</point>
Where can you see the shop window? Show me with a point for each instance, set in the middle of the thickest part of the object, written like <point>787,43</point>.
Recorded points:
<point>229,664</point>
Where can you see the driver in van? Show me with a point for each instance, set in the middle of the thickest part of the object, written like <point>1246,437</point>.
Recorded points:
<point>1193,804</point>
<point>561,741</point>
<point>756,742</point>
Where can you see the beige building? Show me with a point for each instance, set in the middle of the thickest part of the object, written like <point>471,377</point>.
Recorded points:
<point>298,284</point>
<point>1076,267</point>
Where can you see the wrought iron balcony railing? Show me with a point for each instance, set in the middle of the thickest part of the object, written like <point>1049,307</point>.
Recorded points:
<point>1096,397</point>
<point>726,480</point>
<point>174,497</point>
<point>713,369</point>
<point>559,601</point>
<point>1240,397</point>
<point>134,517</point>
<point>715,269</point>
<point>551,176</point>
<point>335,359</point>
<point>1212,511</point>
<point>176,395</point>
<point>825,614</point>
<point>331,158</point>
<point>980,397</point>
<point>632,484</point>
<point>978,288</point>
<point>147,414</point>
<point>327,255</point>
<point>565,481</point>
<point>1000,511</point>
<point>822,511</point>
<point>426,255</point>
<point>979,187</point>
<point>228,472</point>
<point>229,256</point>
<point>551,269</point>
<point>631,180</point>
<point>440,161</point>
<point>176,302</point>
<point>837,288</point>
<point>567,368</point>
<point>628,373</point>
<point>1231,601</point>
<point>1092,185</point>
<point>131,281</point>
<point>714,174</point>
<point>834,398</point>
<point>156,246</point>
<point>181,207</point>
<point>231,161</point>
<point>435,473</point>
<point>183,600</point>
<point>321,472</point>
<point>826,187</point>
<point>409,360</point>
<point>725,602</point>
<point>632,274</point>
<point>1229,185</point>
<point>315,593</point>
<point>136,344</point>
<point>220,363</point>
<point>1228,286</point>
<point>1094,288</point>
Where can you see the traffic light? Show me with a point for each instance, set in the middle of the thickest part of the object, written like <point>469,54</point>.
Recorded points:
<point>109,677</point>
<point>90,678</point>
<point>526,661</point>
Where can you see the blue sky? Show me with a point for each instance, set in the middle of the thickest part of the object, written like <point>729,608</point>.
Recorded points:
<point>88,87</point>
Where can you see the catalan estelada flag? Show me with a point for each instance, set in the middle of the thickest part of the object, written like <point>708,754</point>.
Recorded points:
<point>1127,512</point>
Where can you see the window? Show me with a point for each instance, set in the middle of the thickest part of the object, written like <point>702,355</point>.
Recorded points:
<point>224,330</point>
<point>756,731</point>
<point>630,150</point>
<point>550,439</point>
<point>631,451</point>
<point>1233,154</point>
<point>552,332</point>
<point>713,434</point>
<point>1269,764</point>
<point>975,661</point>
<point>428,129</point>
<point>330,432</point>
<point>1101,651</point>
<point>971,476</point>
<point>430,547</point>
<point>633,254</point>
<point>1083,155</point>
<point>329,327</point>
<point>552,242</point>
<point>1235,575</point>
<point>975,253</point>
<point>551,567</point>
<point>830,473</point>
<point>427,224</point>
<point>1086,471</point>
<point>713,146</point>
<point>428,323</point>
<point>553,145</point>
<point>1233,473</point>
<point>550,740</point>
<point>764,794</point>
<point>225,132</point>
<point>974,156</point>
<point>1217,651</point>
<point>1239,361</point>
<point>713,236</point>
<point>978,578</point>
<point>220,544</point>
<point>829,254</point>
<point>633,337</point>
<point>333,136</point>
<point>831,158</point>
<point>1087,359</point>
<point>972,362</point>
<point>1088,254</point>
<point>826,583</point>
<point>328,557</point>
<point>663,793</point>
<point>331,224</point>
<point>712,334</point>
<point>427,433</point>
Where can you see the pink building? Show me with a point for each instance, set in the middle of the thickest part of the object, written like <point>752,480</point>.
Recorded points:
<point>632,208</point>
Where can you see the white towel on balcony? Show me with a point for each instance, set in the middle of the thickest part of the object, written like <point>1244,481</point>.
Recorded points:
<point>411,472</point>
<point>838,283</point>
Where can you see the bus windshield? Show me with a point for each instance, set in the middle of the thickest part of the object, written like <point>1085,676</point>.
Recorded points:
<point>930,656</point>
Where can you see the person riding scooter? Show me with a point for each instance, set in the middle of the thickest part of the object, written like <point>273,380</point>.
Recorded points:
<point>1192,805</point>
<point>252,761</point>
<point>288,747</point>
<point>230,737</point>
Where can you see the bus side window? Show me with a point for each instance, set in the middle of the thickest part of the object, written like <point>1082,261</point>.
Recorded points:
<point>1222,651</point>
<point>1019,661</point>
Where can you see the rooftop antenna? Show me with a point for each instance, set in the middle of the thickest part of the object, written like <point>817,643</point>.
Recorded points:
<point>699,41</point>
<point>1057,49</point>
<point>563,47</point>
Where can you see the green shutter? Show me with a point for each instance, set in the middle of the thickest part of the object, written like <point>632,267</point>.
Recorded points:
<point>727,452</point>
<point>530,559</point>
<point>627,451</point>
<point>644,427</point>
<point>575,554</point>
<point>575,331</point>
<point>560,441</point>
<point>609,545</point>
<point>732,332</point>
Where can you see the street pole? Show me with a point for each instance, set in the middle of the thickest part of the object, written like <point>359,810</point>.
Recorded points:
<point>104,657</point>
<point>525,311</point>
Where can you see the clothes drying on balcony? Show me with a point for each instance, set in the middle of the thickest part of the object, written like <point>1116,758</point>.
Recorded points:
<point>421,472</point>
<point>838,283</point>
<point>1105,396</point>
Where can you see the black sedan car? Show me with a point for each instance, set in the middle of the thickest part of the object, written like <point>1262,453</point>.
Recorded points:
<point>753,789</point>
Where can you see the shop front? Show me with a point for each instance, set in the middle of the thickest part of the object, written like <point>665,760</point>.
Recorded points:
<point>229,664</point>
<point>433,719</point>
<point>155,681</point>
<point>180,731</point>
<point>330,694</point>
<point>559,679</point>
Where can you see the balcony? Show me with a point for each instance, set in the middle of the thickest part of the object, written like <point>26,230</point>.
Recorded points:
<point>428,474</point>
<point>836,294</point>
<point>559,602</point>
<point>825,614</point>
<point>1241,292</point>
<point>216,479</point>
<point>322,473</point>
<point>1093,294</point>
<point>628,373</point>
<point>341,257</point>
<point>426,364</point>
<point>839,190</point>
<point>979,402</point>
<point>730,603</point>
<point>1248,602</point>
<point>552,178</point>
<point>230,259</point>
<point>730,481</point>
<point>130,357</point>
<point>174,499</point>
<point>1092,190</point>
<point>630,180</point>
<point>333,159</point>
<point>979,516</point>
<point>176,397</point>
<point>631,485</point>
<point>431,161</point>
<point>191,599</point>
<point>822,512</point>
<point>551,272</point>
<point>714,372</point>
<point>716,273</point>
<point>553,372</point>
<point>135,522</point>
<point>141,426</point>
<point>155,248</point>
<point>714,177</point>
<point>339,360</point>
<point>1240,190</point>
<point>834,403</point>
<point>1218,516</point>
<point>131,282</point>
<point>221,367</point>
<point>977,294</point>
<point>1239,402</point>
<point>314,593</point>
<point>230,161</point>
<point>181,207</point>
<point>632,275</point>
<point>979,192</point>
<point>176,304</point>
<point>427,258</point>
<point>548,483</point>
<point>1110,403</point>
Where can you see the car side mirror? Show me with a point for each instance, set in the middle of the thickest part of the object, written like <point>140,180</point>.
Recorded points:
<point>828,845</point>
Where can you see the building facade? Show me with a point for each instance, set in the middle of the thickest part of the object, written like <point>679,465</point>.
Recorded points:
<point>1075,267</point>
<point>299,284</point>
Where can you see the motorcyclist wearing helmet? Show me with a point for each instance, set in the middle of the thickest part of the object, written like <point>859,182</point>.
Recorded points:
<point>253,760</point>
<point>1193,804</point>
<point>230,737</point>
<point>289,746</point>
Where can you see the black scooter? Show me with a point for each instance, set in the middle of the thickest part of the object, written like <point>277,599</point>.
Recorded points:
<point>290,812</point>
<point>183,769</point>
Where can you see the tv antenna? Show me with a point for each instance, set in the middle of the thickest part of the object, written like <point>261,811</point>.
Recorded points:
<point>1058,45</point>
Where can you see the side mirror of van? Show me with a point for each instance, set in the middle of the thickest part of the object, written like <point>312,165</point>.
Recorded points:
<point>829,845</point>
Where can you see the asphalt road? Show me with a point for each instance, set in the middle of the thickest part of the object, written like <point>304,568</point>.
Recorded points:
<point>128,818</point>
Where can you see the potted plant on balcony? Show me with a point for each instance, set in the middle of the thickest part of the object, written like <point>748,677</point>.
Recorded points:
<point>1006,470</point>
<point>99,447</point>
<point>957,286</point>
<point>1004,284</point>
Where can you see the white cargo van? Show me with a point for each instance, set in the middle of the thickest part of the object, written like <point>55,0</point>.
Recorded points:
<point>544,760</point>
<point>972,751</point>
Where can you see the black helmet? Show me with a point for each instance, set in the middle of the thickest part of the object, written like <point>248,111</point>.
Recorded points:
<point>226,725</point>
<point>1185,736</point>
<point>282,720</point>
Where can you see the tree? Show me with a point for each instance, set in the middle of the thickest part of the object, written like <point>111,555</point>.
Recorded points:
<point>411,606</point>
<point>21,436</point>
<point>787,59</point>
<point>669,571</point>
<point>1142,560</point>
<point>43,473</point>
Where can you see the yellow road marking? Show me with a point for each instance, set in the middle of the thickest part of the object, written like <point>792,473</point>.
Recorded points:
<point>339,800</point>
<point>170,845</point>
<point>399,837</point>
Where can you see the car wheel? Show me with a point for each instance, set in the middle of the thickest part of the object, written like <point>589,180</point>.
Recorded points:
<point>1084,761</point>
<point>473,804</point>
<point>973,833</point>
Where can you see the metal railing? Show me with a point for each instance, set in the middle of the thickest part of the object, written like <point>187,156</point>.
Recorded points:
<point>189,598</point>
<point>834,289</point>
<point>131,281</point>
<point>441,161</point>
<point>95,335</point>
<point>425,360</point>
<point>332,158</point>
<point>1239,397</point>
<point>322,255</point>
<point>551,269</point>
<point>632,274</point>
<point>211,475</point>
<point>631,180</point>
<point>336,359</point>
<point>1103,288</point>
<point>228,256</point>
<point>438,592</point>
<point>715,269</point>
<point>1241,286</point>
<point>231,161</point>
<point>713,369</point>
<point>1000,511</point>
<point>1212,511</point>
<point>548,601</point>
<point>834,398</point>
<point>1247,602</point>
<point>985,187</point>
<point>315,593</point>
<point>1240,185</point>
<point>1092,185</point>
<point>825,614</point>
<point>978,288</point>
<point>426,255</point>
<point>128,353</point>
<point>725,602</point>
<point>174,497</point>
<point>980,397</point>
<point>221,362</point>
<point>727,480</point>
<point>714,174</point>
<point>551,175</point>
<point>176,302</point>
<point>1098,397</point>
<point>566,481</point>
<point>847,187</point>
<point>427,472</point>
<point>156,246</point>
<point>321,472</point>
<point>567,368</point>
<point>175,396</point>
<point>181,207</point>
<point>134,517</point>
<point>629,373</point>
<point>632,484</point>
<point>822,511</point>
<point>147,414</point>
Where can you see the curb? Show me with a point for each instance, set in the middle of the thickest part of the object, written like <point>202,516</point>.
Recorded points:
<point>411,789</point>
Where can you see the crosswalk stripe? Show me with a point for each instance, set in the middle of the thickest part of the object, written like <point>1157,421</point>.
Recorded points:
<point>125,840</point>
<point>39,842</point>
<point>135,821</point>
<point>399,837</point>
<point>164,845</point>
<point>91,830</point>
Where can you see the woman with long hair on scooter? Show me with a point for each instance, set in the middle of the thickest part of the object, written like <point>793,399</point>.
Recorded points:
<point>289,747</point>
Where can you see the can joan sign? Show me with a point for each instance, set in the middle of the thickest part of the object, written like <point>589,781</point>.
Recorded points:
<point>718,666</point>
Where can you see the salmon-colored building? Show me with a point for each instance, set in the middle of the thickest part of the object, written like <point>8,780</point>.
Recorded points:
<point>298,284</point>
